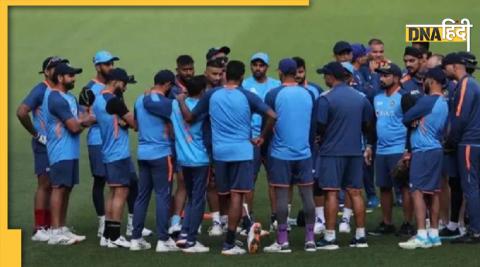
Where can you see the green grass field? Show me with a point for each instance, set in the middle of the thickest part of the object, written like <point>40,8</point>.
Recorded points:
<point>148,39</point>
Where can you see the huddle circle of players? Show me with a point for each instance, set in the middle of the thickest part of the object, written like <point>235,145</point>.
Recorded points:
<point>416,131</point>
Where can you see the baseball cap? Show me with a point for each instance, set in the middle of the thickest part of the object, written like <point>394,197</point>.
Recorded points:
<point>412,51</point>
<point>103,56</point>
<point>453,58</point>
<point>287,65</point>
<point>215,50</point>
<point>469,58</point>
<point>51,62</point>
<point>119,74</point>
<point>261,56</point>
<point>341,47</point>
<point>65,68</point>
<point>333,68</point>
<point>437,74</point>
<point>348,66</point>
<point>359,50</point>
<point>163,77</point>
<point>390,69</point>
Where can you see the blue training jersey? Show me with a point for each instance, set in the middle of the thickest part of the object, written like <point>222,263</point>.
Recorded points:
<point>152,113</point>
<point>294,107</point>
<point>261,90</point>
<point>342,110</point>
<point>230,111</point>
<point>93,136</point>
<point>391,132</point>
<point>58,107</point>
<point>189,143</point>
<point>115,145</point>
<point>34,101</point>
<point>431,112</point>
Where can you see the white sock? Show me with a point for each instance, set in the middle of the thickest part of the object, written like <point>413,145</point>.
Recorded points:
<point>216,216</point>
<point>289,210</point>
<point>330,235</point>
<point>452,226</point>
<point>319,213</point>
<point>130,218</point>
<point>224,219</point>
<point>432,232</point>
<point>359,233</point>
<point>422,233</point>
<point>101,218</point>
<point>347,213</point>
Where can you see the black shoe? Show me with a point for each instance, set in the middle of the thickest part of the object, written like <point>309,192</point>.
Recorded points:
<point>406,230</point>
<point>327,245</point>
<point>446,234</point>
<point>383,229</point>
<point>359,243</point>
<point>469,238</point>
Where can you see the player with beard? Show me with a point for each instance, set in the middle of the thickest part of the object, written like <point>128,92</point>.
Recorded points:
<point>415,64</point>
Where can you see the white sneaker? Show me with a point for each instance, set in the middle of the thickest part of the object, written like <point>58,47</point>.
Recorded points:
<point>174,229</point>
<point>216,229</point>
<point>253,239</point>
<point>199,229</point>
<point>415,242</point>
<point>344,227</point>
<point>41,235</point>
<point>120,242</point>
<point>103,242</point>
<point>235,250</point>
<point>277,248</point>
<point>319,226</point>
<point>57,237</point>
<point>197,248</point>
<point>101,225</point>
<point>166,246</point>
<point>139,244</point>
<point>70,234</point>
<point>145,231</point>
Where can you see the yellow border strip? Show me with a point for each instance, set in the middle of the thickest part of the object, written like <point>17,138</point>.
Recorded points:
<point>10,240</point>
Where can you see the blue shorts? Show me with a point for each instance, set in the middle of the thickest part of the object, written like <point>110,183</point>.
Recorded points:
<point>97,167</point>
<point>426,171</point>
<point>283,173</point>
<point>384,164</point>
<point>64,173</point>
<point>337,172</point>
<point>234,176</point>
<point>40,158</point>
<point>450,165</point>
<point>120,172</point>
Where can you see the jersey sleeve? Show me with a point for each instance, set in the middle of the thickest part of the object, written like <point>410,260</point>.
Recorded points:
<point>368,113</point>
<point>203,105</point>
<point>59,107</point>
<point>322,110</point>
<point>256,103</point>
<point>160,107</point>
<point>116,106</point>
<point>422,108</point>
<point>35,98</point>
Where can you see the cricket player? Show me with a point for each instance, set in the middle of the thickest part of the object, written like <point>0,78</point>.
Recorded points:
<point>194,160</point>
<point>63,123</point>
<point>428,117</point>
<point>32,103</point>
<point>260,84</point>
<point>391,145</point>
<point>415,64</point>
<point>230,108</point>
<point>152,116</point>
<point>114,119</point>
<point>342,115</point>
<point>290,158</point>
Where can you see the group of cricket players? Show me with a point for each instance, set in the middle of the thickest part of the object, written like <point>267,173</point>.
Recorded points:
<point>405,135</point>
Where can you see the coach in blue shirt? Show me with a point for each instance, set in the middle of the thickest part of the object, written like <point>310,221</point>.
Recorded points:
<point>342,115</point>
<point>230,108</point>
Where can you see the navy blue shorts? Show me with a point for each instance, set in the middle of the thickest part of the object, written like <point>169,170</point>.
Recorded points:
<point>235,176</point>
<point>384,164</point>
<point>64,173</point>
<point>450,165</point>
<point>40,158</point>
<point>283,173</point>
<point>335,173</point>
<point>97,167</point>
<point>120,172</point>
<point>426,171</point>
